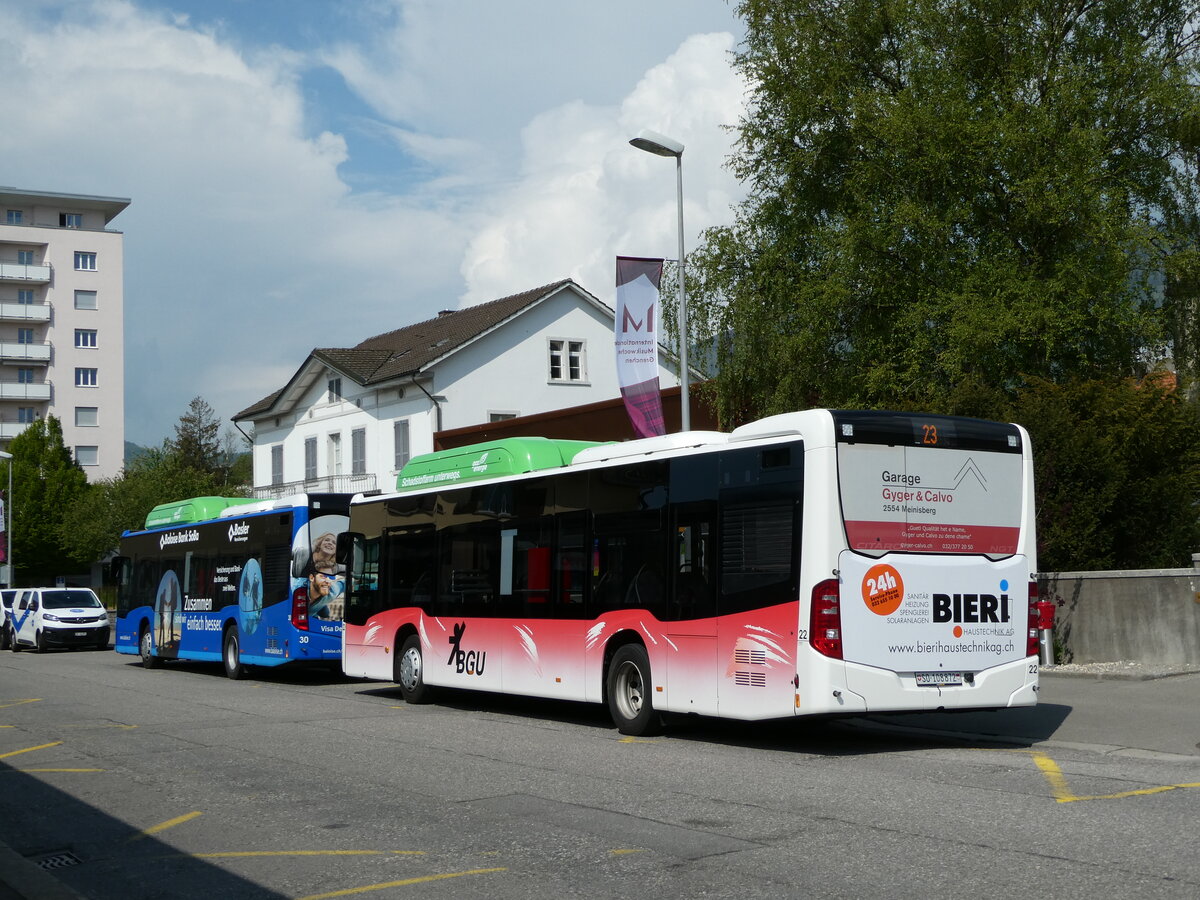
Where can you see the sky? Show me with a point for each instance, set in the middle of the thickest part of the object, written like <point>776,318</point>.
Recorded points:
<point>306,174</point>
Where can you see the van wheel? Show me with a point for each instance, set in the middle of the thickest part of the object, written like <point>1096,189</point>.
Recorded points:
<point>629,700</point>
<point>231,654</point>
<point>408,671</point>
<point>41,642</point>
<point>146,650</point>
<point>12,641</point>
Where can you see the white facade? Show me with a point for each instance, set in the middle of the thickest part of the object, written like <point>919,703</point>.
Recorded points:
<point>307,438</point>
<point>62,343</point>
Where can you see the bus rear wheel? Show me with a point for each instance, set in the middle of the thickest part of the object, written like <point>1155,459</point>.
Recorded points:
<point>146,650</point>
<point>231,654</point>
<point>628,691</point>
<point>408,671</point>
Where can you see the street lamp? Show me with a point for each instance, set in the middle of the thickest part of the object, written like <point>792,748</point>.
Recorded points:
<point>661,145</point>
<point>8,513</point>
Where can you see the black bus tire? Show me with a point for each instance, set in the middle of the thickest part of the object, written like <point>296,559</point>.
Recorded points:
<point>629,692</point>
<point>146,650</point>
<point>231,654</point>
<point>408,671</point>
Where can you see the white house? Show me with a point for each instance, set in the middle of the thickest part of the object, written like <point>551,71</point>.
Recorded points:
<point>349,419</point>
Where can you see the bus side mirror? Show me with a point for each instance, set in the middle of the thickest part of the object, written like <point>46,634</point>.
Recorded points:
<point>345,547</point>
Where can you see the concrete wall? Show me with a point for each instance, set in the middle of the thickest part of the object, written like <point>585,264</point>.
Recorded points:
<point>1151,616</point>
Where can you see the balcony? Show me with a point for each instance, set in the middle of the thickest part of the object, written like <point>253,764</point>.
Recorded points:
<point>37,353</point>
<point>329,484</point>
<point>16,390</point>
<point>9,430</point>
<point>23,274</point>
<point>25,312</point>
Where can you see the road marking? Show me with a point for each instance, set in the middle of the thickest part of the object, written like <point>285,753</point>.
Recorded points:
<point>1063,793</point>
<point>406,882</point>
<point>163,826</point>
<point>623,852</point>
<point>5,704</point>
<point>28,749</point>
<point>110,725</point>
<point>634,740</point>
<point>58,770</point>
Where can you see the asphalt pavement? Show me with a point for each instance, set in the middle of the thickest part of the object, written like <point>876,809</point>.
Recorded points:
<point>1118,709</point>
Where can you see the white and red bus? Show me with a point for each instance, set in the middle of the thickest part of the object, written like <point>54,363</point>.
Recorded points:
<point>813,563</point>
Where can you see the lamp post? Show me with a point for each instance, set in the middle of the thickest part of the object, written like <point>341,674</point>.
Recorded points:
<point>8,514</point>
<point>661,145</point>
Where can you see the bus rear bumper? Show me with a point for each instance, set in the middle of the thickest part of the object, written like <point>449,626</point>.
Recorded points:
<point>1008,685</point>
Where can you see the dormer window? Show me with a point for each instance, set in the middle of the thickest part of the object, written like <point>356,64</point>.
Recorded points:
<point>335,389</point>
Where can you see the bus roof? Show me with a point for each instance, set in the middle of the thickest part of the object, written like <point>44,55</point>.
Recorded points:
<point>491,459</point>
<point>194,509</point>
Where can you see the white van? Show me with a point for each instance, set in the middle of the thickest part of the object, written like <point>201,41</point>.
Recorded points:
<point>57,617</point>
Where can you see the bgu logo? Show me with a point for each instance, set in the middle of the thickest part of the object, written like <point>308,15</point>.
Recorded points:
<point>627,320</point>
<point>468,662</point>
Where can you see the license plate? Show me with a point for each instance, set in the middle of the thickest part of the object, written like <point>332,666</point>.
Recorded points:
<point>81,634</point>
<point>939,679</point>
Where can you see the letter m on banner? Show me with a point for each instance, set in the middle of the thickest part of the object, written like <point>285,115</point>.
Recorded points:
<point>636,342</point>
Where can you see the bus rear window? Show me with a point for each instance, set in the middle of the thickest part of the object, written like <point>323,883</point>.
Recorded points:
<point>926,499</point>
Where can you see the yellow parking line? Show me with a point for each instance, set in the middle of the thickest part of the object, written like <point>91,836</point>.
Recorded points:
<point>163,826</point>
<point>28,749</point>
<point>58,770</point>
<point>5,704</point>
<point>391,884</point>
<point>1063,793</point>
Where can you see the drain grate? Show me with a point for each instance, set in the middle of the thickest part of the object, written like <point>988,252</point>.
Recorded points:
<point>61,860</point>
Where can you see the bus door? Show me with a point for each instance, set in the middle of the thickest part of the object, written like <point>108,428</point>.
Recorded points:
<point>691,615</point>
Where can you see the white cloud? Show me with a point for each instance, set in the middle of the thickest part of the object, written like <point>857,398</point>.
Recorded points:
<point>245,245</point>
<point>587,196</point>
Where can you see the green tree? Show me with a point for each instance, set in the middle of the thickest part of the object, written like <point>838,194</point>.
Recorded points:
<point>47,482</point>
<point>197,437</point>
<point>1117,472</point>
<point>94,524</point>
<point>948,196</point>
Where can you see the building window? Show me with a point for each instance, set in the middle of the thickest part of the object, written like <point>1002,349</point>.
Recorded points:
<point>26,415</point>
<point>15,216</point>
<point>85,338</point>
<point>277,464</point>
<point>85,300</point>
<point>70,220</point>
<point>501,416</point>
<point>335,389</point>
<point>567,360</point>
<point>24,335</point>
<point>310,459</point>
<point>24,295</point>
<point>25,258</point>
<point>335,454</point>
<point>87,416</point>
<point>87,456</point>
<point>400,432</point>
<point>85,377</point>
<point>358,451</point>
<point>24,375</point>
<point>85,262</point>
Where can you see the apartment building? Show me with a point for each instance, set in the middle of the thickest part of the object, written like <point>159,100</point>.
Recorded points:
<point>62,344</point>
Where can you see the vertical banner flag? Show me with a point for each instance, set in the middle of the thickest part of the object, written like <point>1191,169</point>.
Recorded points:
<point>637,343</point>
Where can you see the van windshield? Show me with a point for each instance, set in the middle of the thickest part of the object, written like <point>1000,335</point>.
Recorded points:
<point>69,600</point>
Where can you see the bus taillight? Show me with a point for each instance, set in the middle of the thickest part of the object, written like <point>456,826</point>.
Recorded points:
<point>1032,646</point>
<point>825,619</point>
<point>300,608</point>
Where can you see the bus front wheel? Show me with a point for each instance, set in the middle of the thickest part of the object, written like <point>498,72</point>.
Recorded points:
<point>629,700</point>
<point>409,672</point>
<point>146,650</point>
<point>231,654</point>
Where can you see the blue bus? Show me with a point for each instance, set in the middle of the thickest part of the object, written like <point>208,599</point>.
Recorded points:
<point>243,582</point>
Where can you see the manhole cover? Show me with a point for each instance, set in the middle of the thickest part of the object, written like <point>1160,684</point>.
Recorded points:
<point>58,860</point>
